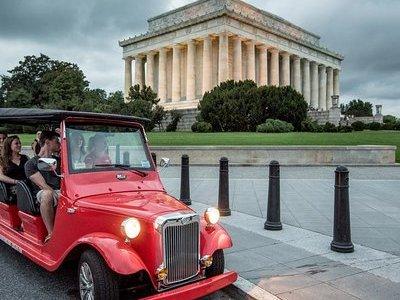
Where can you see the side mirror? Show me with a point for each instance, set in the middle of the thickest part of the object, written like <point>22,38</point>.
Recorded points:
<point>164,163</point>
<point>47,164</point>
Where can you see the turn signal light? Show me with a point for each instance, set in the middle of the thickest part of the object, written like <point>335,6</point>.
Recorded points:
<point>206,261</point>
<point>162,273</point>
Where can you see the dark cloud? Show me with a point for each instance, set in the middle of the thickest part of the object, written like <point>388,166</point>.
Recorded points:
<point>87,32</point>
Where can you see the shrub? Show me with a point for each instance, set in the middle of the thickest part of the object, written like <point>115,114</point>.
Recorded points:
<point>308,125</point>
<point>358,126</point>
<point>389,126</point>
<point>397,125</point>
<point>241,106</point>
<point>275,126</point>
<point>329,127</point>
<point>374,126</point>
<point>345,128</point>
<point>176,116</point>
<point>389,119</point>
<point>201,127</point>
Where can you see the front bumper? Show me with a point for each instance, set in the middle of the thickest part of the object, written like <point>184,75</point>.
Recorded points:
<point>197,289</point>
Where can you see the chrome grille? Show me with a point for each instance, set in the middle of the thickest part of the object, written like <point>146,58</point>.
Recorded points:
<point>181,248</point>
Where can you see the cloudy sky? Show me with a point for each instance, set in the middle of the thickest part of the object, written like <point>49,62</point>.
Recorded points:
<point>366,32</point>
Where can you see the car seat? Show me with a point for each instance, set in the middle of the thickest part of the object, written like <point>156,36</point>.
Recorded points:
<point>26,201</point>
<point>3,193</point>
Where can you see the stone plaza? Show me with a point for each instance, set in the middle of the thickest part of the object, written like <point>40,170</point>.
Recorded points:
<point>188,51</point>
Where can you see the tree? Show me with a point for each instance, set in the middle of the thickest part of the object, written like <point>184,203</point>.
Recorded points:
<point>242,106</point>
<point>389,119</point>
<point>357,108</point>
<point>143,102</point>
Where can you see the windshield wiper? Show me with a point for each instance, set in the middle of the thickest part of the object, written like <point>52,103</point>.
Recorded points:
<point>123,167</point>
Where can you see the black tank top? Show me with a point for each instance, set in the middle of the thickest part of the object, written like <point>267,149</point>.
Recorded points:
<point>15,171</point>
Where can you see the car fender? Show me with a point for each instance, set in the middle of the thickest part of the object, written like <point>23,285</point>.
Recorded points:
<point>119,256</point>
<point>214,238</point>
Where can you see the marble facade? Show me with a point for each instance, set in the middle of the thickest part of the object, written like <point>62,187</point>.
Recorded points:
<point>188,51</point>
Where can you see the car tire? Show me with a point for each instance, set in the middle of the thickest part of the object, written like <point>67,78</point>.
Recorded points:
<point>218,264</point>
<point>96,278</point>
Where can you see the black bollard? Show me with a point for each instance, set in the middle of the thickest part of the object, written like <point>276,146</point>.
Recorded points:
<point>185,185</point>
<point>223,194</point>
<point>154,157</point>
<point>341,222</point>
<point>273,221</point>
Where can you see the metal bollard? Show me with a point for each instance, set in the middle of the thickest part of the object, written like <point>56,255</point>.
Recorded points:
<point>154,157</point>
<point>185,184</point>
<point>273,221</point>
<point>223,193</point>
<point>341,223</point>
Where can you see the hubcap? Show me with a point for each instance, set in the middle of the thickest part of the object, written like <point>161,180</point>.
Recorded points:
<point>86,286</point>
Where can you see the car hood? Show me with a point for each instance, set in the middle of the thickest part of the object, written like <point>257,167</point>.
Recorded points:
<point>144,205</point>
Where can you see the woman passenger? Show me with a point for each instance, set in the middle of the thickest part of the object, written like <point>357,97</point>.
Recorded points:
<point>77,146</point>
<point>98,151</point>
<point>12,165</point>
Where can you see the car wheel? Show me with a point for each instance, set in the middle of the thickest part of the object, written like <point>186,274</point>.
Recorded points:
<point>218,264</point>
<point>96,280</point>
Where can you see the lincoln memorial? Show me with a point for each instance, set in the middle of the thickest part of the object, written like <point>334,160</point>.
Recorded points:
<point>188,51</point>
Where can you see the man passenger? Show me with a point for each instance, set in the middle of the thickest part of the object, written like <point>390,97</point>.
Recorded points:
<point>46,184</point>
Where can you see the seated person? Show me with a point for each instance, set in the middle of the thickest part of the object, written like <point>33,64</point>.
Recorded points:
<point>35,144</point>
<point>12,165</point>
<point>98,151</point>
<point>77,150</point>
<point>3,136</point>
<point>46,184</point>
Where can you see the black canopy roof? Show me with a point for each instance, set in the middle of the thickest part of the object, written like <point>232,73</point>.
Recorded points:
<point>33,116</point>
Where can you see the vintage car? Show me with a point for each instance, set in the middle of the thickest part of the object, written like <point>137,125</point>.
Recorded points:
<point>114,219</point>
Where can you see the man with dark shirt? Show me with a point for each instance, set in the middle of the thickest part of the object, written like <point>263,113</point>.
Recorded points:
<point>46,184</point>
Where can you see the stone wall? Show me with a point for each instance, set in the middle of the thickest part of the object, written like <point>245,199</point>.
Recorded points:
<point>286,155</point>
<point>189,117</point>
<point>322,117</point>
<point>365,120</point>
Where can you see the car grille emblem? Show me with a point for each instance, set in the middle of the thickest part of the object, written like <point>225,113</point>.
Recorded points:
<point>121,176</point>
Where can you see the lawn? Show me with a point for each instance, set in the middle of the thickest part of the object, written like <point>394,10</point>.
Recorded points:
<point>252,138</point>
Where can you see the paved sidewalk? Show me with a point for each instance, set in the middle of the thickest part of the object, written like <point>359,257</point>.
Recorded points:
<point>297,263</point>
<point>307,198</point>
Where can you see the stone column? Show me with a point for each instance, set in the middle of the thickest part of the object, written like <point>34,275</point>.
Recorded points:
<point>322,88</point>
<point>190,73</point>
<point>150,70</point>
<point>329,87</point>
<point>237,59</point>
<point>223,68</point>
<point>274,67</point>
<point>336,82</point>
<point>314,85</point>
<point>162,75</point>
<point>306,81</point>
<point>251,61</point>
<point>128,76</point>
<point>297,73</point>
<point>207,61</point>
<point>263,65</point>
<point>139,76</point>
<point>285,69</point>
<point>176,73</point>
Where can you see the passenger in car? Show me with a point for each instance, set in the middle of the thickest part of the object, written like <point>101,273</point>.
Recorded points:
<point>46,184</point>
<point>98,151</point>
<point>3,136</point>
<point>35,144</point>
<point>12,165</point>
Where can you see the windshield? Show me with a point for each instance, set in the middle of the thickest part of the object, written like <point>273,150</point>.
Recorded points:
<point>94,147</point>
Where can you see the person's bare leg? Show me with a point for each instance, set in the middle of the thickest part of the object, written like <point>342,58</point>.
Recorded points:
<point>47,211</point>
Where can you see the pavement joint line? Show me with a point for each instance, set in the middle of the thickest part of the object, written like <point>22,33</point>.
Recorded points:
<point>253,290</point>
<point>364,258</point>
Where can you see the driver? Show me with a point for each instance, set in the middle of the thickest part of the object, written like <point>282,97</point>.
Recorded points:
<point>98,151</point>
<point>46,184</point>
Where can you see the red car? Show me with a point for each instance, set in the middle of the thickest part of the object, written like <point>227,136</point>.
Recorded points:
<point>114,216</point>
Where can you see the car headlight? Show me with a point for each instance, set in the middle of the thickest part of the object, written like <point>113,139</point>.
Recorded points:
<point>131,228</point>
<point>211,215</point>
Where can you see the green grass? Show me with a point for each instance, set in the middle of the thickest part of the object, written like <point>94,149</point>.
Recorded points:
<point>252,138</point>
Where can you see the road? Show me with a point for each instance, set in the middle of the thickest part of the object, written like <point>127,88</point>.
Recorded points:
<point>22,279</point>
